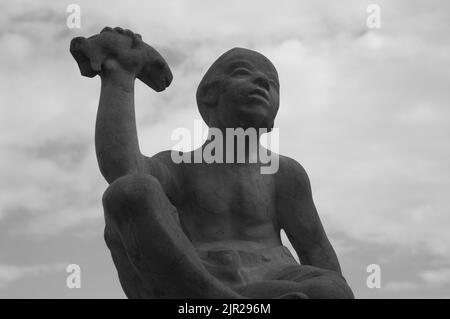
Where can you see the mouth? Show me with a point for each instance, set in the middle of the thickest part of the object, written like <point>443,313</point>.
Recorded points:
<point>259,94</point>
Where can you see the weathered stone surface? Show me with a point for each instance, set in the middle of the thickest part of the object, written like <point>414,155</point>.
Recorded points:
<point>203,230</point>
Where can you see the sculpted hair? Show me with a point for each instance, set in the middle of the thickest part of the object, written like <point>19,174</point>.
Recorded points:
<point>207,95</point>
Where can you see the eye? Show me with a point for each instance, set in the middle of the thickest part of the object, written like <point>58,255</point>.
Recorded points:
<point>240,71</point>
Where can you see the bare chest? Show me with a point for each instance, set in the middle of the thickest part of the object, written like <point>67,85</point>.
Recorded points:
<point>239,196</point>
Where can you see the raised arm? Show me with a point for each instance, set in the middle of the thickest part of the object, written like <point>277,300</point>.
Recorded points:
<point>300,221</point>
<point>119,57</point>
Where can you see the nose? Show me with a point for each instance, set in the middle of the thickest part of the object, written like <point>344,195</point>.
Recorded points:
<point>261,80</point>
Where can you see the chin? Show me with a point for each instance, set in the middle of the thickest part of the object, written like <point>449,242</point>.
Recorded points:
<point>253,119</point>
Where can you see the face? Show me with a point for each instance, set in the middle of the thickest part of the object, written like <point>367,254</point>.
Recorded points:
<point>249,94</point>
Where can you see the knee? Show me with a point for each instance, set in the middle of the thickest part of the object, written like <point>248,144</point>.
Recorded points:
<point>324,283</point>
<point>331,287</point>
<point>130,191</point>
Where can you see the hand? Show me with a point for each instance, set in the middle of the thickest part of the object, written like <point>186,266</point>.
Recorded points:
<point>115,51</point>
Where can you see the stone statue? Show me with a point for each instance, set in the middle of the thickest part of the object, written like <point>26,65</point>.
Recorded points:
<point>192,230</point>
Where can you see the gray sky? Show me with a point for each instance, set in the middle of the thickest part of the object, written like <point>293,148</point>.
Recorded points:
<point>364,111</point>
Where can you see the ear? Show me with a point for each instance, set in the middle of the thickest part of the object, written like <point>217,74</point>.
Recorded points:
<point>207,98</point>
<point>207,93</point>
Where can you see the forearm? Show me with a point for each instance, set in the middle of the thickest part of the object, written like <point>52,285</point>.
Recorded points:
<point>116,140</point>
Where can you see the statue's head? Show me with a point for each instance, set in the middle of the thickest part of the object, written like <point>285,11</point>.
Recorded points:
<point>240,89</point>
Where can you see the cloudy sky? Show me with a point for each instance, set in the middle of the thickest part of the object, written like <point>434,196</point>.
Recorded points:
<point>364,110</point>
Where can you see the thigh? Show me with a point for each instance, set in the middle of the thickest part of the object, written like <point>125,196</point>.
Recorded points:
<point>297,281</point>
<point>300,273</point>
<point>272,289</point>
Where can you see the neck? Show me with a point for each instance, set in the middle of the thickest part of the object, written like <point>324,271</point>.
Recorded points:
<point>234,145</point>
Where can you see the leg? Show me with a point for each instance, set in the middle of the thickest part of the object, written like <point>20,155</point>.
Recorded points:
<point>133,286</point>
<point>144,221</point>
<point>319,283</point>
<point>300,282</point>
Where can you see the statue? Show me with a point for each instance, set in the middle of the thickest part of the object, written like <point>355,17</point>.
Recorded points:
<point>192,230</point>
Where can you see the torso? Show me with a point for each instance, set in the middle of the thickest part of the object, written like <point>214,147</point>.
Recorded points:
<point>229,209</point>
<point>229,204</point>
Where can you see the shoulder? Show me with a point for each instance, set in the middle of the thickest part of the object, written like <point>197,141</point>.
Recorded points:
<point>164,157</point>
<point>292,175</point>
<point>161,162</point>
<point>291,168</point>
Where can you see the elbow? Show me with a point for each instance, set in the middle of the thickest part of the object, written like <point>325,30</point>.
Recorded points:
<point>110,174</point>
<point>112,169</point>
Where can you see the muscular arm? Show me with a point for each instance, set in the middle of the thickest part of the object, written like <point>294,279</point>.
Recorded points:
<point>116,140</point>
<point>299,219</point>
<point>120,56</point>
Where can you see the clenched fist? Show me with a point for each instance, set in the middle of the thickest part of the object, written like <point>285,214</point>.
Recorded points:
<point>119,50</point>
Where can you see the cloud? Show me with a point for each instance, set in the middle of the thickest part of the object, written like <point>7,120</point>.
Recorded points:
<point>365,111</point>
<point>437,276</point>
<point>431,283</point>
<point>401,286</point>
<point>12,273</point>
